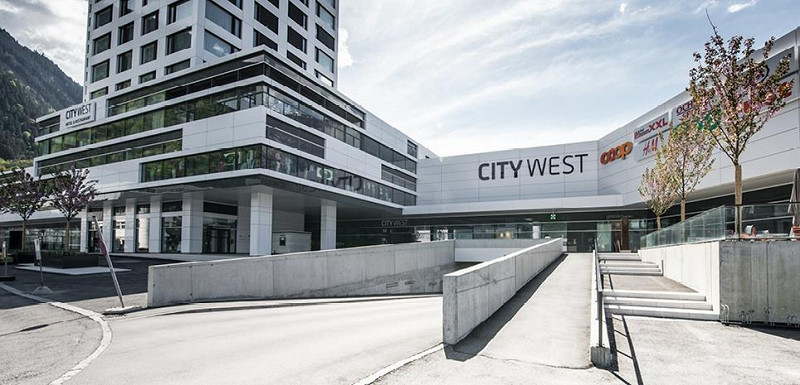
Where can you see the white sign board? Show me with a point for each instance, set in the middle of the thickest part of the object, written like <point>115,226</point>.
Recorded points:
<point>78,115</point>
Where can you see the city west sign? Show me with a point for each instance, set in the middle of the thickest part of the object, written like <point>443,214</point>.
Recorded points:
<point>549,165</point>
<point>78,115</point>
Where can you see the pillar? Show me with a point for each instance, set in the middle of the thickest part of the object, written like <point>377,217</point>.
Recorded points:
<point>84,230</point>
<point>243,224</point>
<point>192,224</point>
<point>261,221</point>
<point>130,226</point>
<point>155,225</point>
<point>327,225</point>
<point>108,224</point>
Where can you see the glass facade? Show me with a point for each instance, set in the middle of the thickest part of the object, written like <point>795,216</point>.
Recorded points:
<point>171,234</point>
<point>219,235</point>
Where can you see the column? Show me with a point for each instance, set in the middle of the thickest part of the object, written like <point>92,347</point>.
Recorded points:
<point>84,230</point>
<point>261,221</point>
<point>108,224</point>
<point>130,225</point>
<point>327,225</point>
<point>192,224</point>
<point>243,225</point>
<point>155,225</point>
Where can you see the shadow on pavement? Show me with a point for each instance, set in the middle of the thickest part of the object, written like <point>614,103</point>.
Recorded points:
<point>85,287</point>
<point>477,340</point>
<point>792,334</point>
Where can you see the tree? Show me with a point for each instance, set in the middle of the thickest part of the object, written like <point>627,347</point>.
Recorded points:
<point>687,157</point>
<point>72,192</point>
<point>736,94</point>
<point>23,195</point>
<point>657,188</point>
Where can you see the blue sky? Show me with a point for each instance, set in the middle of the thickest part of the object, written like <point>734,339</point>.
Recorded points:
<point>464,76</point>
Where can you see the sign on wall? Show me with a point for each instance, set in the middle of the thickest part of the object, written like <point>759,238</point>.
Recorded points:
<point>652,127</point>
<point>619,152</point>
<point>550,165</point>
<point>78,115</point>
<point>649,146</point>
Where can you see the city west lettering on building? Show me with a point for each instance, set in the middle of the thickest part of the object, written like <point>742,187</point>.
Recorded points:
<point>77,115</point>
<point>619,152</point>
<point>652,126</point>
<point>550,165</point>
<point>394,223</point>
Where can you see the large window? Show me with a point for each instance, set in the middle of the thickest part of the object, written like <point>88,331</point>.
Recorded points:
<point>179,41</point>
<point>171,234</point>
<point>179,10</point>
<point>124,61</point>
<point>125,34</point>
<point>325,38</point>
<point>125,7</point>
<point>295,39</point>
<point>326,17</point>
<point>100,71</point>
<point>179,66</point>
<point>147,77</point>
<point>266,18</point>
<point>296,60</point>
<point>291,136</point>
<point>150,23</point>
<point>298,16</point>
<point>325,60</point>
<point>260,39</point>
<point>217,46</point>
<point>103,17</point>
<point>148,53</point>
<point>223,19</point>
<point>101,44</point>
<point>331,3</point>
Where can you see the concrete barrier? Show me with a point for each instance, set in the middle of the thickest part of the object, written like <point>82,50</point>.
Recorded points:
<point>472,295</point>
<point>483,250</point>
<point>372,270</point>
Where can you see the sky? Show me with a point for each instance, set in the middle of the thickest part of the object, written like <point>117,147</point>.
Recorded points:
<point>467,76</point>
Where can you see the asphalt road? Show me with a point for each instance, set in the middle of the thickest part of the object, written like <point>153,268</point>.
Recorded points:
<point>327,343</point>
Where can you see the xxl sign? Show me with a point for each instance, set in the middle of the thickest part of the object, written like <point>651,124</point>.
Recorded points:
<point>653,126</point>
<point>77,115</point>
<point>551,165</point>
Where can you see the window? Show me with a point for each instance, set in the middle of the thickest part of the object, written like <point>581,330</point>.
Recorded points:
<point>412,149</point>
<point>179,41</point>
<point>179,10</point>
<point>326,38</point>
<point>326,17</point>
<point>332,3</point>
<point>298,15</point>
<point>122,85</point>
<point>218,46</point>
<point>149,53</point>
<point>295,39</point>
<point>125,7</point>
<point>125,34</point>
<point>124,61</point>
<point>101,44</point>
<point>325,60</point>
<point>223,19</point>
<point>101,92</point>
<point>100,71</point>
<point>266,18</point>
<point>237,3</point>
<point>276,3</point>
<point>150,23</point>
<point>259,39</point>
<point>296,60</point>
<point>102,17</point>
<point>147,77</point>
<point>328,82</point>
<point>144,3</point>
<point>179,66</point>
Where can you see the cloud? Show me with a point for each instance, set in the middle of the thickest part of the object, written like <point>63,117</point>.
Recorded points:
<point>736,7</point>
<point>345,59</point>
<point>622,7</point>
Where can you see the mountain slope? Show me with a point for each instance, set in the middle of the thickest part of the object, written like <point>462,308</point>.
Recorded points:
<point>30,86</point>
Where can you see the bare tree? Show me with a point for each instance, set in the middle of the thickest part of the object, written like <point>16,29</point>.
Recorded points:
<point>23,195</point>
<point>72,192</point>
<point>657,188</point>
<point>736,93</point>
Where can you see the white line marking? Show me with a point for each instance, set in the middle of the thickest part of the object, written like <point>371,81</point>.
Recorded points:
<point>397,365</point>
<point>104,342</point>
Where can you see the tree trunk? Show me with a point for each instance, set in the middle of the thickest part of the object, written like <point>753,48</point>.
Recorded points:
<point>683,208</point>
<point>66,239</point>
<point>658,222</point>
<point>24,223</point>
<point>738,196</point>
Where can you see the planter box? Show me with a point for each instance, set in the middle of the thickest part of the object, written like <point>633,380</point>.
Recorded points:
<point>73,260</point>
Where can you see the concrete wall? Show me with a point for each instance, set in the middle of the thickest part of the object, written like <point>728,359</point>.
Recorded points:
<point>694,265</point>
<point>756,275</point>
<point>372,270</point>
<point>473,294</point>
<point>482,250</point>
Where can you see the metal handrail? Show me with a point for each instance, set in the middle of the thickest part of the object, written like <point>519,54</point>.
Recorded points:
<point>599,291</point>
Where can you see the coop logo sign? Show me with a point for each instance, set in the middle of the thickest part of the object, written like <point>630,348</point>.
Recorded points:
<point>78,115</point>
<point>549,165</point>
<point>619,152</point>
<point>652,126</point>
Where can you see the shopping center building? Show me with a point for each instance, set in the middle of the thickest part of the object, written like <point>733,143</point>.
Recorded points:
<point>215,126</point>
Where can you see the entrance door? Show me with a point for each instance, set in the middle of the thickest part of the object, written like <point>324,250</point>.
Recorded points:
<point>218,240</point>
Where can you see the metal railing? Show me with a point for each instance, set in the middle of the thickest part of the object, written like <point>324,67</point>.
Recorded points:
<point>599,293</point>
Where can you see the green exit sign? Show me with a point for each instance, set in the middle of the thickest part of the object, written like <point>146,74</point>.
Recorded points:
<point>553,216</point>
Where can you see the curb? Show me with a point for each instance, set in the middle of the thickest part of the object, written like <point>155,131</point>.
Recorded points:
<point>397,365</point>
<point>104,342</point>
